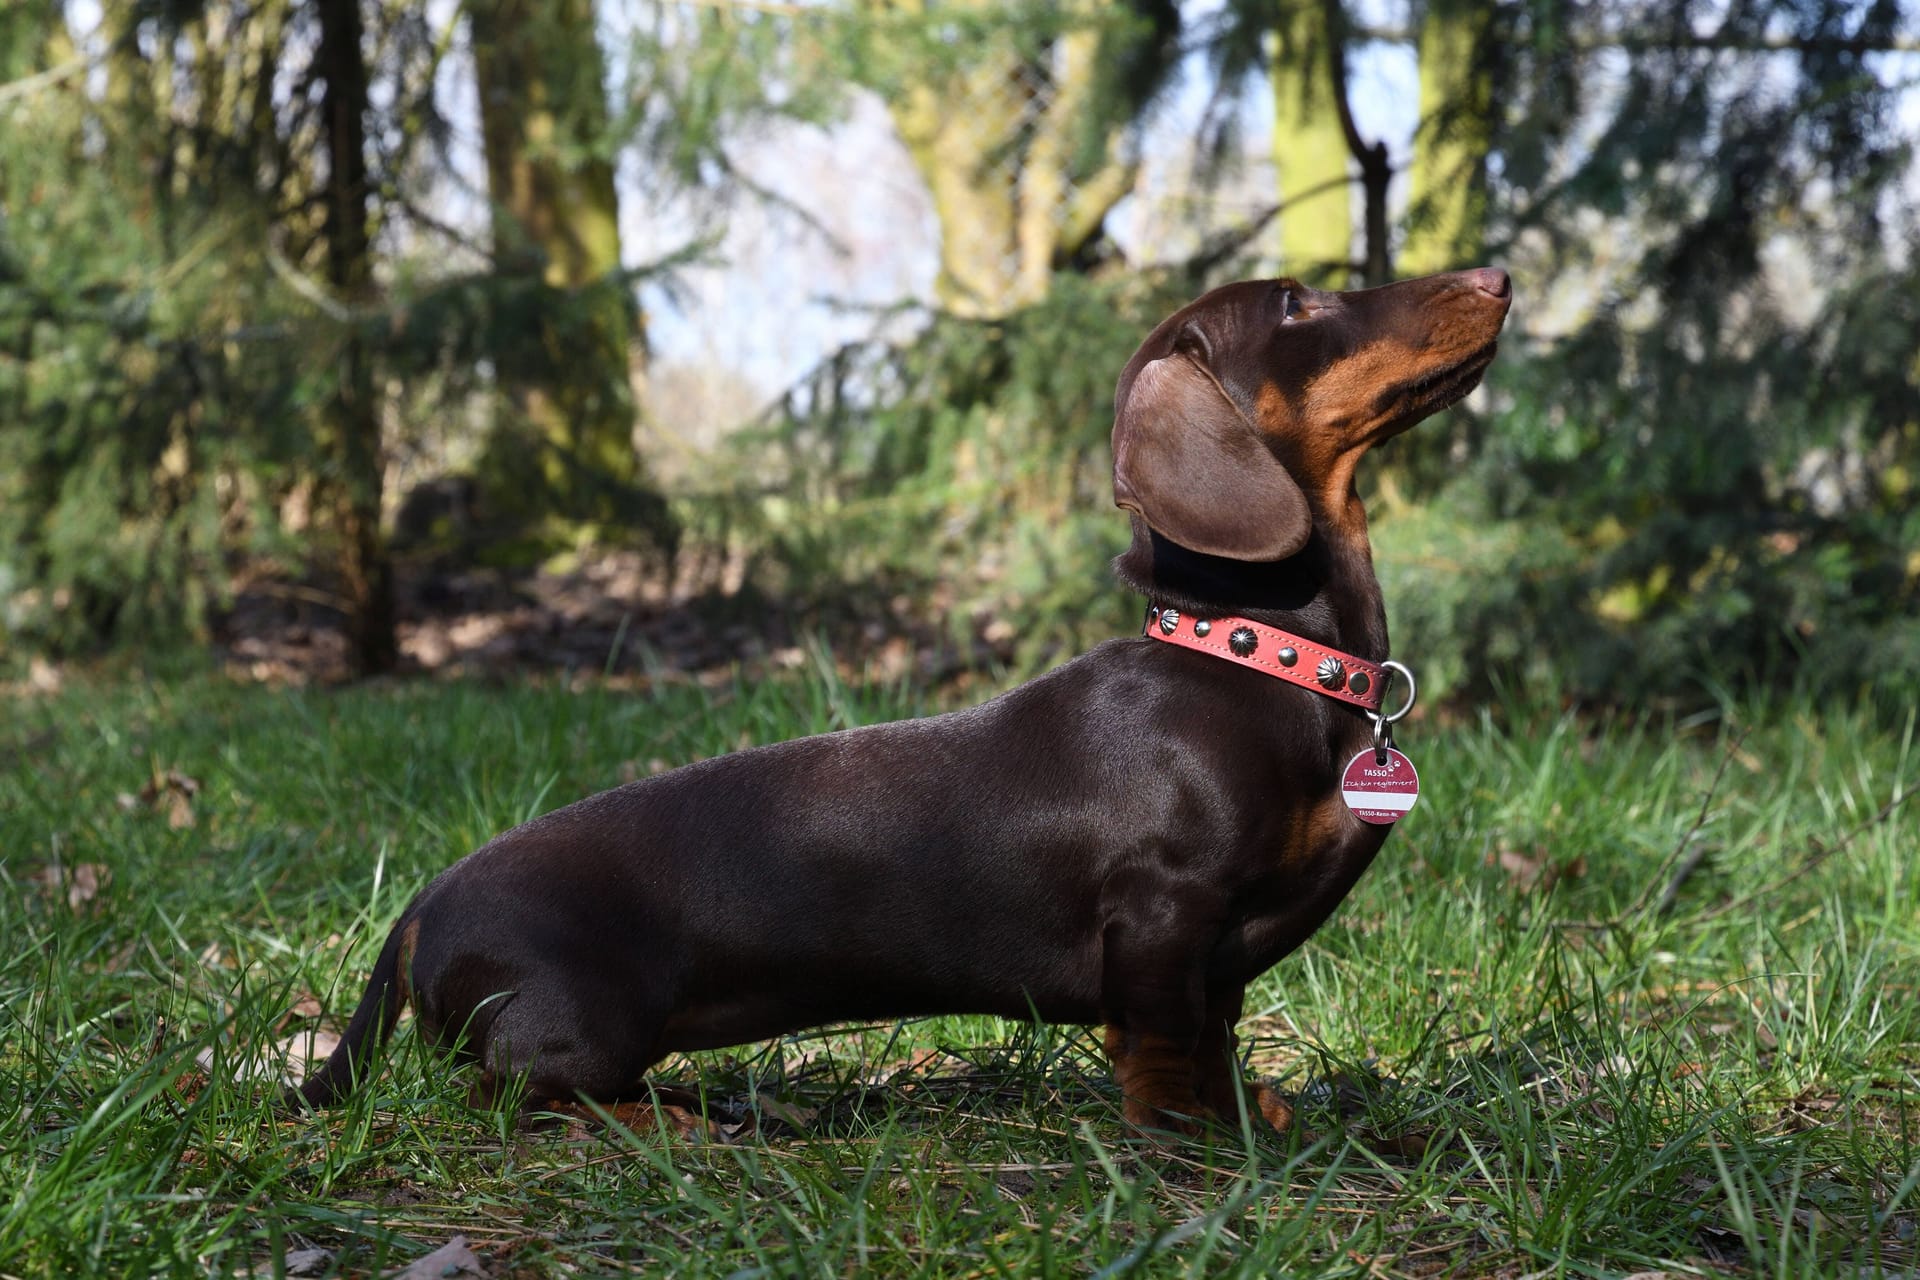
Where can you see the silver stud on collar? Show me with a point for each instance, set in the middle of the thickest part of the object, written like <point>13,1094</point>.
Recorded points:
<point>1243,641</point>
<point>1201,626</point>
<point>1169,621</point>
<point>1288,655</point>
<point>1332,673</point>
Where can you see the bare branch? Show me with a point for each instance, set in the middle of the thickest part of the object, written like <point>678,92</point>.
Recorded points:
<point>1634,42</point>
<point>26,86</point>
<point>1821,853</point>
<point>1679,875</point>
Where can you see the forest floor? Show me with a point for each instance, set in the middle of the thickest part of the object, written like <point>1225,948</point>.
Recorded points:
<point>616,614</point>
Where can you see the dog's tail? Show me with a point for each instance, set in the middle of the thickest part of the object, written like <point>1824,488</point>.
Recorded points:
<point>388,991</point>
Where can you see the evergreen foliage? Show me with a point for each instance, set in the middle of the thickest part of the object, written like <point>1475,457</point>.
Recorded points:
<point>1697,470</point>
<point>1703,480</point>
<point>968,467</point>
<point>178,346</point>
<point>1720,446</point>
<point>150,389</point>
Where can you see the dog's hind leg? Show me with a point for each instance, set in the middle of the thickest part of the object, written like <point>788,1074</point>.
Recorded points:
<point>567,1054</point>
<point>573,1062</point>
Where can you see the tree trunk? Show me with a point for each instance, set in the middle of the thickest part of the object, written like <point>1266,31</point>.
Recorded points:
<point>556,224</point>
<point>996,144</point>
<point>351,416</point>
<point>1310,153</point>
<point>1447,212</point>
<point>975,191</point>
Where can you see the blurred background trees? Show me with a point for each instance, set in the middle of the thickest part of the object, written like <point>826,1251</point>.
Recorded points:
<point>324,300</point>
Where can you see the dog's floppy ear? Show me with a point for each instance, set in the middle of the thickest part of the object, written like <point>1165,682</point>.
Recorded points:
<point>1197,472</point>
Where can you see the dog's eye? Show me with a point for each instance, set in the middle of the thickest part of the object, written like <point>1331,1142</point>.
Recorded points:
<point>1289,306</point>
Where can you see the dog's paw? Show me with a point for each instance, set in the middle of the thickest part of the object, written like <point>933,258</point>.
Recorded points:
<point>1271,1105</point>
<point>583,1120</point>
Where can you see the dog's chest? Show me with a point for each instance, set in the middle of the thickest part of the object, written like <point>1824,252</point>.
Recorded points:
<point>1309,876</point>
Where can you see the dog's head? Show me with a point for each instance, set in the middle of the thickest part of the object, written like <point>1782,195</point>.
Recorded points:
<point>1244,409</point>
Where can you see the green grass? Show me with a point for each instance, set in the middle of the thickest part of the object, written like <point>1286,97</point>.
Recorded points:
<point>1495,1076</point>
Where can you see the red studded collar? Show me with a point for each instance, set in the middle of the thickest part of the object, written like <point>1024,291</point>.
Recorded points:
<point>1279,653</point>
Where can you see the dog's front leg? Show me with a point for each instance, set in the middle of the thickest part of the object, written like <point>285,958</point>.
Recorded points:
<point>1155,1003</point>
<point>1156,1078</point>
<point>1221,1083</point>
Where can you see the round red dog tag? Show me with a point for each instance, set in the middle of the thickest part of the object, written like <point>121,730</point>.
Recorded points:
<point>1379,793</point>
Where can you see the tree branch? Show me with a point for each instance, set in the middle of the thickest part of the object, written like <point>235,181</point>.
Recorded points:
<point>29,85</point>
<point>1901,794</point>
<point>1674,870</point>
<point>1717,42</point>
<point>1375,169</point>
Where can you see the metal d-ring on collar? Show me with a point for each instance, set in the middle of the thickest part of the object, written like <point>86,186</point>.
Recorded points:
<point>1382,723</point>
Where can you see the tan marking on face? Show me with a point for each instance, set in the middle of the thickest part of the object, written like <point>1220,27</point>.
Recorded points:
<point>1323,421</point>
<point>1340,374</point>
<point>1344,400</point>
<point>1361,388</point>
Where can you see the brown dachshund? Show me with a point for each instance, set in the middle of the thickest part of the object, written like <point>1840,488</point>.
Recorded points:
<point>1130,839</point>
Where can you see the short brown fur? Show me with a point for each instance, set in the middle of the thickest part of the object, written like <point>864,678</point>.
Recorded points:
<point>1129,839</point>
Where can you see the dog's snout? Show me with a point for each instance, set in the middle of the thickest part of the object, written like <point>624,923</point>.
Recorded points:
<point>1491,281</point>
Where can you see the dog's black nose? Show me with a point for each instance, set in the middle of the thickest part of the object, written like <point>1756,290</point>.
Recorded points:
<point>1491,280</point>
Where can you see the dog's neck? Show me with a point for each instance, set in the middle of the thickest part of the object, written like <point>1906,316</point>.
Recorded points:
<point>1326,593</point>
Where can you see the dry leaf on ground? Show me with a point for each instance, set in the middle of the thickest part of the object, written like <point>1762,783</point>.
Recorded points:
<point>451,1260</point>
<point>172,791</point>
<point>1538,870</point>
<point>286,1061</point>
<point>797,1118</point>
<point>305,1008</point>
<point>304,1050</point>
<point>307,1262</point>
<point>80,883</point>
<point>295,1262</point>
